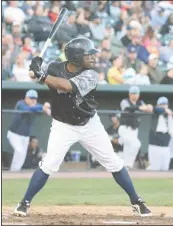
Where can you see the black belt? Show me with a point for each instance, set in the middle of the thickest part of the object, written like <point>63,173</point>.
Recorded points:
<point>84,122</point>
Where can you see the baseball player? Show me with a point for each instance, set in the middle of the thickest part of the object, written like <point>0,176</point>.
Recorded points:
<point>75,119</point>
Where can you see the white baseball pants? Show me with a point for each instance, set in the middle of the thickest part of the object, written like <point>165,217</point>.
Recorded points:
<point>20,145</point>
<point>91,136</point>
<point>131,144</point>
<point>159,157</point>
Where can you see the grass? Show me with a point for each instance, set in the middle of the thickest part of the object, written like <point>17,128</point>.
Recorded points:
<point>156,192</point>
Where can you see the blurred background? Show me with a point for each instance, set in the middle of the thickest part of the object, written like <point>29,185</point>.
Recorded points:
<point>136,43</point>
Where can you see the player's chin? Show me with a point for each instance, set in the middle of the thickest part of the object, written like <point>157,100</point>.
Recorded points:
<point>92,65</point>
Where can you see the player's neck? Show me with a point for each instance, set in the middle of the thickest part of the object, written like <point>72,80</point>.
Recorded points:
<point>72,68</point>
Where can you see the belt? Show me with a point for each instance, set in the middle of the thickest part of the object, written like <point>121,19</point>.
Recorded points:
<point>84,122</point>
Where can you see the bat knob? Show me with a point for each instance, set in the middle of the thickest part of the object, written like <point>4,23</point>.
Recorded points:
<point>32,75</point>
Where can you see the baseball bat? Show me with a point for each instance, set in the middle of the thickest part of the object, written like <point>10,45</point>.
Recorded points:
<point>54,29</point>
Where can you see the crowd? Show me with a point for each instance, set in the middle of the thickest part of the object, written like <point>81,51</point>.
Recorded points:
<point>135,37</point>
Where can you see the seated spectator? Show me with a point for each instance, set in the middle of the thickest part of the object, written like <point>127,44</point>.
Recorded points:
<point>54,13</point>
<point>102,62</point>
<point>105,44</point>
<point>114,75</point>
<point>27,8</point>
<point>130,60</point>
<point>34,156</point>
<point>40,25</point>
<point>102,80</point>
<point>141,77</point>
<point>13,13</point>
<point>154,73</point>
<point>115,11</point>
<point>167,26</point>
<point>142,53</point>
<point>129,76</point>
<point>82,22</point>
<point>20,69</point>
<point>97,28</point>
<point>158,17</point>
<point>169,78</point>
<point>166,52</point>
<point>28,47</point>
<point>116,46</point>
<point>153,46</point>
<point>127,38</point>
<point>68,30</point>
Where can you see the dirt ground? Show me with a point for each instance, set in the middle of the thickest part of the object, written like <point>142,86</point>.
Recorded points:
<point>87,215</point>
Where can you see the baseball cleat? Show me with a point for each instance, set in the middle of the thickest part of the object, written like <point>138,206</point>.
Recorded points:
<point>141,209</point>
<point>22,209</point>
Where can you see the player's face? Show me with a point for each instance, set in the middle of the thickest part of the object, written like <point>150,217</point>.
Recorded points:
<point>134,96</point>
<point>89,61</point>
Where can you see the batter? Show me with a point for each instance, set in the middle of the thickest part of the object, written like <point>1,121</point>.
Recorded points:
<point>75,119</point>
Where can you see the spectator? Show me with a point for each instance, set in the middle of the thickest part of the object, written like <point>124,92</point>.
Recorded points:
<point>114,75</point>
<point>54,13</point>
<point>102,80</point>
<point>128,131</point>
<point>113,134</point>
<point>97,28</point>
<point>126,39</point>
<point>19,131</point>
<point>169,78</point>
<point>129,76</point>
<point>155,74</point>
<point>142,76</point>
<point>20,69</point>
<point>160,136</point>
<point>158,17</point>
<point>142,53</point>
<point>27,8</point>
<point>34,154</point>
<point>68,30</point>
<point>40,25</point>
<point>115,11</point>
<point>105,44</point>
<point>83,22</point>
<point>166,52</point>
<point>130,60</point>
<point>28,47</point>
<point>102,62</point>
<point>13,13</point>
<point>166,28</point>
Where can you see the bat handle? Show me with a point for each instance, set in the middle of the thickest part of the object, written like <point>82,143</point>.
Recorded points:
<point>45,47</point>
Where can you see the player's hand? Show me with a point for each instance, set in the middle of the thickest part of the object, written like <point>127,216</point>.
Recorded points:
<point>143,108</point>
<point>36,67</point>
<point>168,111</point>
<point>47,108</point>
<point>149,108</point>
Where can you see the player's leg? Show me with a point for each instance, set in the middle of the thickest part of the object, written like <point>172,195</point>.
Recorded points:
<point>61,137</point>
<point>154,157</point>
<point>96,141</point>
<point>20,146</point>
<point>166,158</point>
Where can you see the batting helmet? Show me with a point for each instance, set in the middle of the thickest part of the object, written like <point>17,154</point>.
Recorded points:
<point>77,48</point>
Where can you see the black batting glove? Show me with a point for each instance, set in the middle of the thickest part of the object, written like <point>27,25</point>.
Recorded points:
<point>35,66</point>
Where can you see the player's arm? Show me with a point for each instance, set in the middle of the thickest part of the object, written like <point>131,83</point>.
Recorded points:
<point>58,83</point>
<point>47,76</point>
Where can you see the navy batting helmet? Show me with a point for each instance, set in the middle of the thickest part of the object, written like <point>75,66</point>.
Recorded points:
<point>77,48</point>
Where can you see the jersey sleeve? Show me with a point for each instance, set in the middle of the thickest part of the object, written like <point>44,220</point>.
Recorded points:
<point>85,82</point>
<point>52,68</point>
